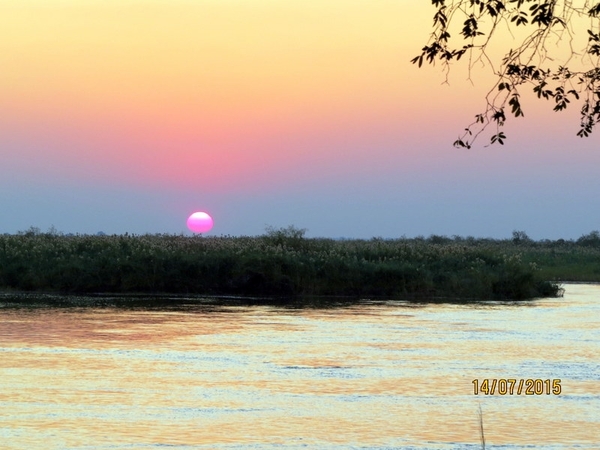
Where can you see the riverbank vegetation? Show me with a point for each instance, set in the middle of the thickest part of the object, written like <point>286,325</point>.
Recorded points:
<point>284,262</point>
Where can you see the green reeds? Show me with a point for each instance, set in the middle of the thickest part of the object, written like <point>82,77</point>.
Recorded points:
<point>286,263</point>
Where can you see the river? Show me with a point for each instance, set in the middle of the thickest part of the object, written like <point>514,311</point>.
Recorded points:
<point>374,375</point>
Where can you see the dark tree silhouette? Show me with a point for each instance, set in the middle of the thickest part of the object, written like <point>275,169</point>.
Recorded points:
<point>558,57</point>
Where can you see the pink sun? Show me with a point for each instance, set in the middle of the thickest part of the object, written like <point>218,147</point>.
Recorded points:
<point>200,222</point>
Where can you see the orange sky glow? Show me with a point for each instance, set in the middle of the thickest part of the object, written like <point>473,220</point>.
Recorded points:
<point>230,96</point>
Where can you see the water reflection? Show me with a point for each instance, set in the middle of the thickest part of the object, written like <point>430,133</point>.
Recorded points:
<point>370,375</point>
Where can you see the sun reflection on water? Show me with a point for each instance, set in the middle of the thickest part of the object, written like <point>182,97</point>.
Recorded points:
<point>373,375</point>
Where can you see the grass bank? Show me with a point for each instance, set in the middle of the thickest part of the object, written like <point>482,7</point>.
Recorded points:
<point>285,263</point>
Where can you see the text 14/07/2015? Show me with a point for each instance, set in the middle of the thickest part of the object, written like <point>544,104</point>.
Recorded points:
<point>512,386</point>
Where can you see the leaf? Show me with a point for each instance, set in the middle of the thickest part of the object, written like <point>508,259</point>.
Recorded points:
<point>499,138</point>
<point>594,11</point>
<point>582,133</point>
<point>460,143</point>
<point>440,17</point>
<point>516,106</point>
<point>499,116</point>
<point>418,59</point>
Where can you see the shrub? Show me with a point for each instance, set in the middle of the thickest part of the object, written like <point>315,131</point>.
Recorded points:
<point>285,263</point>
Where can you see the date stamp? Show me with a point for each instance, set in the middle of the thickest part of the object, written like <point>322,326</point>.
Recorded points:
<point>513,386</point>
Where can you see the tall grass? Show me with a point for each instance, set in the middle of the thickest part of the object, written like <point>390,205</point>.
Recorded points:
<point>285,263</point>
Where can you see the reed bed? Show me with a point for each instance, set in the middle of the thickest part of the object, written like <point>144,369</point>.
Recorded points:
<point>285,263</point>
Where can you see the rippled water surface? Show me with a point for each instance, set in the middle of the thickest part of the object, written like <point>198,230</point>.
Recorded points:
<point>374,375</point>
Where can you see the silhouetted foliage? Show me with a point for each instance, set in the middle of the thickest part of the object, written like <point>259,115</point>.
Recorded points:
<point>520,238</point>
<point>548,58</point>
<point>590,240</point>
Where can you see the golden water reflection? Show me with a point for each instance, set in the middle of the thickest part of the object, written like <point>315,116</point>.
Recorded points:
<point>372,375</point>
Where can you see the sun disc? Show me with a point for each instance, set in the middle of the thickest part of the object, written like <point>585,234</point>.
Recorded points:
<point>200,222</point>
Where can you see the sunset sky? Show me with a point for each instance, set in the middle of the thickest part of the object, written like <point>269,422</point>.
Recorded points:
<point>129,115</point>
